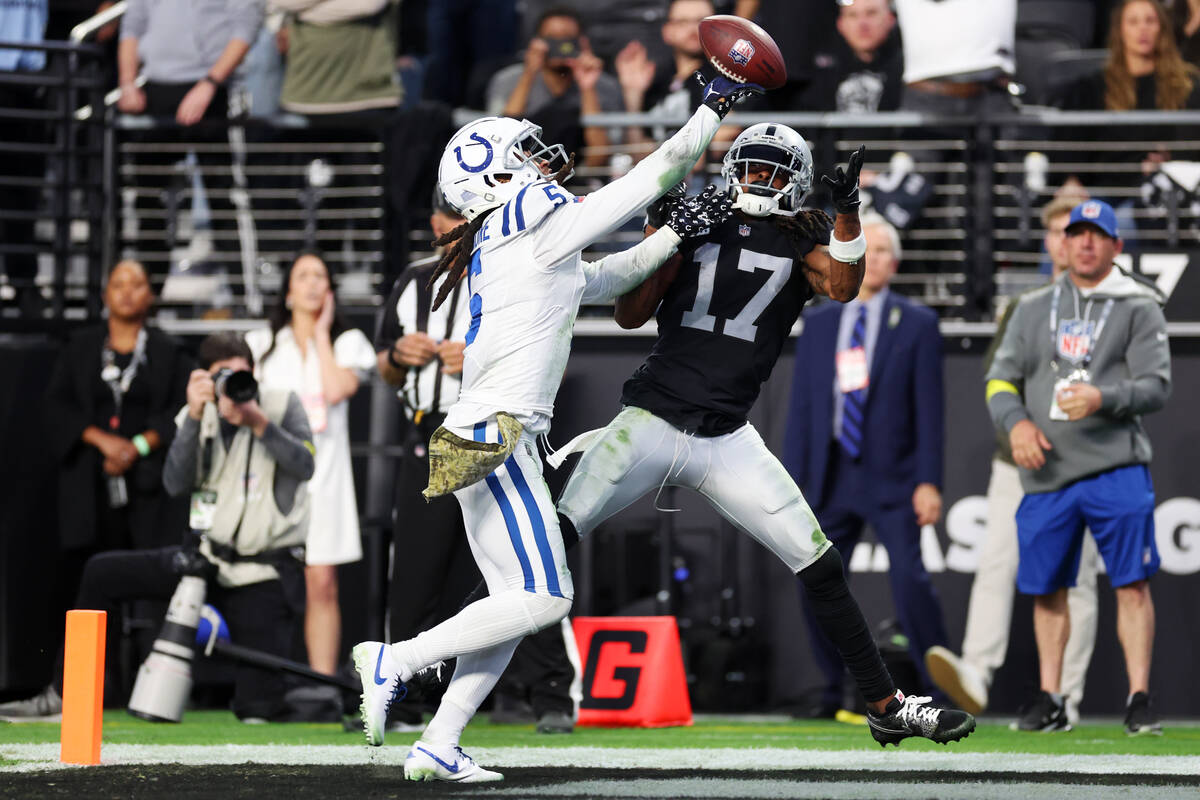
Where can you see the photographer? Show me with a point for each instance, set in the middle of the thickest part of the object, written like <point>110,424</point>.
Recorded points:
<point>244,455</point>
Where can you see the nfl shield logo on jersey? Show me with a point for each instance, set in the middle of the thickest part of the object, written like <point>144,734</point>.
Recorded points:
<point>743,230</point>
<point>1075,339</point>
<point>741,52</point>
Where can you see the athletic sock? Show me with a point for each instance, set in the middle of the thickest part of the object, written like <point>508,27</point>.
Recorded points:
<point>842,621</point>
<point>475,676</point>
<point>483,624</point>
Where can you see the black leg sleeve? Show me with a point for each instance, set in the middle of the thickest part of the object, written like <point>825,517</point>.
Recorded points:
<point>842,621</point>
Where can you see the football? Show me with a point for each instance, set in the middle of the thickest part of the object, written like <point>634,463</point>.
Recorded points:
<point>742,51</point>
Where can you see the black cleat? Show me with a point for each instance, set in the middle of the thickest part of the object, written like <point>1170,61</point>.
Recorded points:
<point>1140,718</point>
<point>912,716</point>
<point>1042,714</point>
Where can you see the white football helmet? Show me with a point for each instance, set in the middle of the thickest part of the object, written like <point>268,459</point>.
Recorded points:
<point>491,159</point>
<point>782,149</point>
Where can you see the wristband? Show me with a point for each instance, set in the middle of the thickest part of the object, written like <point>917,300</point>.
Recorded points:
<point>143,447</point>
<point>216,84</point>
<point>391,358</point>
<point>850,252</point>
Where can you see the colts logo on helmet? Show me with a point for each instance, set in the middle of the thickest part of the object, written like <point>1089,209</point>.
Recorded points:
<point>487,159</point>
<point>741,52</point>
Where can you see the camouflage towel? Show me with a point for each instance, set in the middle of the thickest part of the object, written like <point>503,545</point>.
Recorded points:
<point>455,462</point>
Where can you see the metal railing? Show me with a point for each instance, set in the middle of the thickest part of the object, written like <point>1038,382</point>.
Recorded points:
<point>54,185</point>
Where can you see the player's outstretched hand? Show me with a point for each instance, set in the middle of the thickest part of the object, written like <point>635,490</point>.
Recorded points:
<point>694,216</point>
<point>844,185</point>
<point>721,94</point>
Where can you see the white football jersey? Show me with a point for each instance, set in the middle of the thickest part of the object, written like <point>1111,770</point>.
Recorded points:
<point>526,279</point>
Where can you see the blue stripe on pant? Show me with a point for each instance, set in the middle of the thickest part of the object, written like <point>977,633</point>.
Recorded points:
<point>539,526</point>
<point>514,530</point>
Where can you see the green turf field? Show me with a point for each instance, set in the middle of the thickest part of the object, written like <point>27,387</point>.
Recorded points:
<point>220,727</point>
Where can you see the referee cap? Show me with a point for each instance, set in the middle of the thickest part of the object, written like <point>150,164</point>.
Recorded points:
<point>1096,213</point>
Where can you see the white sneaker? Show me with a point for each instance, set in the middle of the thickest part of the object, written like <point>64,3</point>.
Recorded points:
<point>382,685</point>
<point>958,679</point>
<point>45,705</point>
<point>427,762</point>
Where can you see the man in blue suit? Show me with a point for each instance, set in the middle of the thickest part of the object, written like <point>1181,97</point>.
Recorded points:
<point>864,439</point>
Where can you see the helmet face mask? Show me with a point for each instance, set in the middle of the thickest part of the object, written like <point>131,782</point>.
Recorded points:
<point>491,159</point>
<point>784,155</point>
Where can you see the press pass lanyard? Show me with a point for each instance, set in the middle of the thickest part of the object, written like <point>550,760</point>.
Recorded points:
<point>118,379</point>
<point>1087,312</point>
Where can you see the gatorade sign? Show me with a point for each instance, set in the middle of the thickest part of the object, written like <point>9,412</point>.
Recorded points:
<point>632,672</point>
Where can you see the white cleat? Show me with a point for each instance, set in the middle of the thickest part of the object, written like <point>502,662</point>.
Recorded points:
<point>957,678</point>
<point>381,686</point>
<point>427,762</point>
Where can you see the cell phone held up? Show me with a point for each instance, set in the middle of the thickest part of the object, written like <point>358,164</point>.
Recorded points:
<point>561,48</point>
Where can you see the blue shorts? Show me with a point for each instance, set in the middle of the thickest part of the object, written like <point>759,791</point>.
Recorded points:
<point>1118,507</point>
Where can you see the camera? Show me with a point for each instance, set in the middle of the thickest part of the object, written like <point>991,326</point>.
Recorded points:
<point>239,386</point>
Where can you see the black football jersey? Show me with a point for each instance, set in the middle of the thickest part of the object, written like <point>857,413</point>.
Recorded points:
<point>721,325</point>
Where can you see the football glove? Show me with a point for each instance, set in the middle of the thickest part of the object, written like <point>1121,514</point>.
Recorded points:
<point>694,216</point>
<point>656,212</point>
<point>844,185</point>
<point>721,94</point>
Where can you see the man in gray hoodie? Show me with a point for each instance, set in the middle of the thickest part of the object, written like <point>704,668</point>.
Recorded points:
<point>1080,362</point>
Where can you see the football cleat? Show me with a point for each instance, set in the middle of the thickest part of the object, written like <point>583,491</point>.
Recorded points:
<point>912,716</point>
<point>1042,714</point>
<point>427,762</point>
<point>958,679</point>
<point>382,685</point>
<point>1140,718</point>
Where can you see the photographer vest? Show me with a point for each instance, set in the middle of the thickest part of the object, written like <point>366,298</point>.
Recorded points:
<point>247,518</point>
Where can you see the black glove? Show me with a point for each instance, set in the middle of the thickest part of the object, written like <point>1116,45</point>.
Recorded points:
<point>844,185</point>
<point>694,216</point>
<point>721,94</point>
<point>656,212</point>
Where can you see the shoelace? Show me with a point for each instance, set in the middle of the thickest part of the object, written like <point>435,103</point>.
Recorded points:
<point>399,692</point>
<point>914,710</point>
<point>463,755</point>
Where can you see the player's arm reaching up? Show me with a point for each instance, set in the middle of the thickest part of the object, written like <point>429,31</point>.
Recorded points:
<point>577,225</point>
<point>836,271</point>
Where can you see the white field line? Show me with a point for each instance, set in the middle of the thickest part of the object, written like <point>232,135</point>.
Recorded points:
<point>36,757</point>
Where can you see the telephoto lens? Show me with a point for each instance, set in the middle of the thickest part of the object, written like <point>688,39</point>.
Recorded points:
<point>239,386</point>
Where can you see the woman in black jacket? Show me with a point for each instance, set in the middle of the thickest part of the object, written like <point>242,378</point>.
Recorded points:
<point>111,403</point>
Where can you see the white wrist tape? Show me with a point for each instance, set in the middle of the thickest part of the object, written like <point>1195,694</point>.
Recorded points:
<point>848,252</point>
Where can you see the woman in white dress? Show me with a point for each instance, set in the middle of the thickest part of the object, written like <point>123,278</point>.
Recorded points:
<point>310,350</point>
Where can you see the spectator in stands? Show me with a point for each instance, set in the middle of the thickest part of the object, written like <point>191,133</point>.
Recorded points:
<point>1068,385</point>
<point>341,56</point>
<point>643,89</point>
<point>967,680</point>
<point>420,352</point>
<point>1144,70</point>
<point>247,538</point>
<point>800,28</point>
<point>310,351</point>
<point>958,56</point>
<point>559,80</point>
<point>22,21</point>
<point>469,41</point>
<point>860,70</point>
<point>864,440</point>
<point>187,51</point>
<point>111,403</point>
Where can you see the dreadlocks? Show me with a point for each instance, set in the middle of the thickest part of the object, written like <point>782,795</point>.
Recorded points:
<point>809,224</point>
<point>456,259</point>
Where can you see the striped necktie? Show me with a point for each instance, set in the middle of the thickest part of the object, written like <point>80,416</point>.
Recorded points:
<point>853,402</point>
